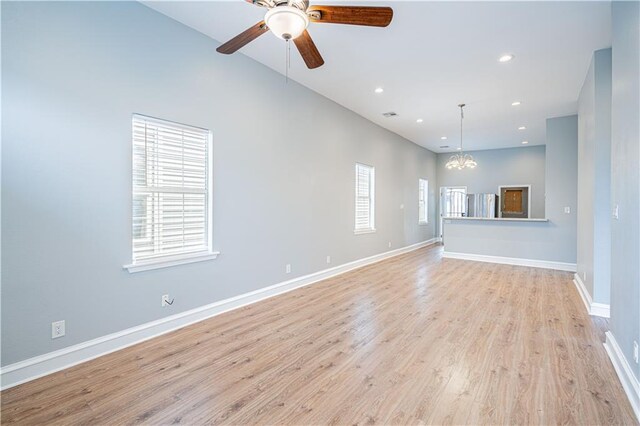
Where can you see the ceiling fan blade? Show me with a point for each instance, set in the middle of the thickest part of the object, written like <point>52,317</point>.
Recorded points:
<point>308,50</point>
<point>352,15</point>
<point>243,38</point>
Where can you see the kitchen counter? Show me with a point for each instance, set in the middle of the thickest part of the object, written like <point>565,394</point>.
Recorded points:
<point>504,219</point>
<point>529,242</point>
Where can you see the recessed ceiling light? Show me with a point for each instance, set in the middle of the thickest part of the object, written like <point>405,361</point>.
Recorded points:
<point>522,128</point>
<point>379,90</point>
<point>444,138</point>
<point>516,103</point>
<point>506,58</point>
<point>525,142</point>
<point>419,120</point>
<point>458,148</point>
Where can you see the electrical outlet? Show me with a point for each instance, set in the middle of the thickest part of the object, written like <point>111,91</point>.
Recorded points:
<point>401,206</point>
<point>57,329</point>
<point>635,351</point>
<point>389,244</point>
<point>166,301</point>
<point>567,210</point>
<point>328,259</point>
<point>615,212</point>
<point>287,269</point>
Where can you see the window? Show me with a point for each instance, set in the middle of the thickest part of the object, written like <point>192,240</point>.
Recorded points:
<point>423,201</point>
<point>171,193</point>
<point>365,203</point>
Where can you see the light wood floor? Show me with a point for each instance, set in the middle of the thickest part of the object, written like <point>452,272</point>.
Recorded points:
<point>412,340</point>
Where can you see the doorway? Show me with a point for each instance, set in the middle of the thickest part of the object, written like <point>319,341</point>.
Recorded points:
<point>515,201</point>
<point>453,203</point>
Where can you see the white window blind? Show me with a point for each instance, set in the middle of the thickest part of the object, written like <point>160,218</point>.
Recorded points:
<point>365,185</point>
<point>171,189</point>
<point>423,197</point>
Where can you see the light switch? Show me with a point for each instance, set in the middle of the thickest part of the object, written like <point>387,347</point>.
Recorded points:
<point>614,214</point>
<point>567,210</point>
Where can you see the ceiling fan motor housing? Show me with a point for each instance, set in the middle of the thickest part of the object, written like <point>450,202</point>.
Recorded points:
<point>300,4</point>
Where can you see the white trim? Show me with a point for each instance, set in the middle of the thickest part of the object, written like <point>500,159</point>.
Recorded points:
<point>207,252</point>
<point>423,221</point>
<point>600,310</point>
<point>364,231</point>
<point>372,199</point>
<point>629,381</point>
<point>500,219</point>
<point>163,122</point>
<point>42,365</point>
<point>547,264</point>
<point>165,262</point>
<point>440,207</point>
<point>514,186</point>
<point>582,291</point>
<point>593,308</point>
<point>210,195</point>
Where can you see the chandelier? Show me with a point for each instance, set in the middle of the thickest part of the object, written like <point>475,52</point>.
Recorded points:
<point>460,160</point>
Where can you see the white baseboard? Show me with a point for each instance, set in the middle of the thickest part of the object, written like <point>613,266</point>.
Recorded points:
<point>42,365</point>
<point>561,266</point>
<point>600,310</point>
<point>593,308</point>
<point>625,373</point>
<point>582,291</point>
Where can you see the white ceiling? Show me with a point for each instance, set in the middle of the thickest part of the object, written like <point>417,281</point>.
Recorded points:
<point>433,56</point>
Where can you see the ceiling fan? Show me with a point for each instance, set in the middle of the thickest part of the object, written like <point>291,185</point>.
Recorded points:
<point>288,20</point>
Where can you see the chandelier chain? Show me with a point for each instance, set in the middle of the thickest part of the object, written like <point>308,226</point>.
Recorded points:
<point>461,118</point>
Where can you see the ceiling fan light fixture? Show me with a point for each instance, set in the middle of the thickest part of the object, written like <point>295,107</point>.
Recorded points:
<point>286,22</point>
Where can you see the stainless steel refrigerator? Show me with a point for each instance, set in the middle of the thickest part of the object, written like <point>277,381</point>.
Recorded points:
<point>482,205</point>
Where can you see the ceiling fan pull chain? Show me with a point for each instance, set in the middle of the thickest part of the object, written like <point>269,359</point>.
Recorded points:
<point>287,64</point>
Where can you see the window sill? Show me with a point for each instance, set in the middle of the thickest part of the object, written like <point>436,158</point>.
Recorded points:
<point>423,223</point>
<point>168,261</point>
<point>364,231</point>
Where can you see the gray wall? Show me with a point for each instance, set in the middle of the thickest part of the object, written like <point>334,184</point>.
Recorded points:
<point>73,74</point>
<point>510,166</point>
<point>554,240</point>
<point>625,178</point>
<point>594,178</point>
<point>562,171</point>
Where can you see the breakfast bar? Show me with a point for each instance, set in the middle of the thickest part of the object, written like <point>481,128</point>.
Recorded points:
<point>532,242</point>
